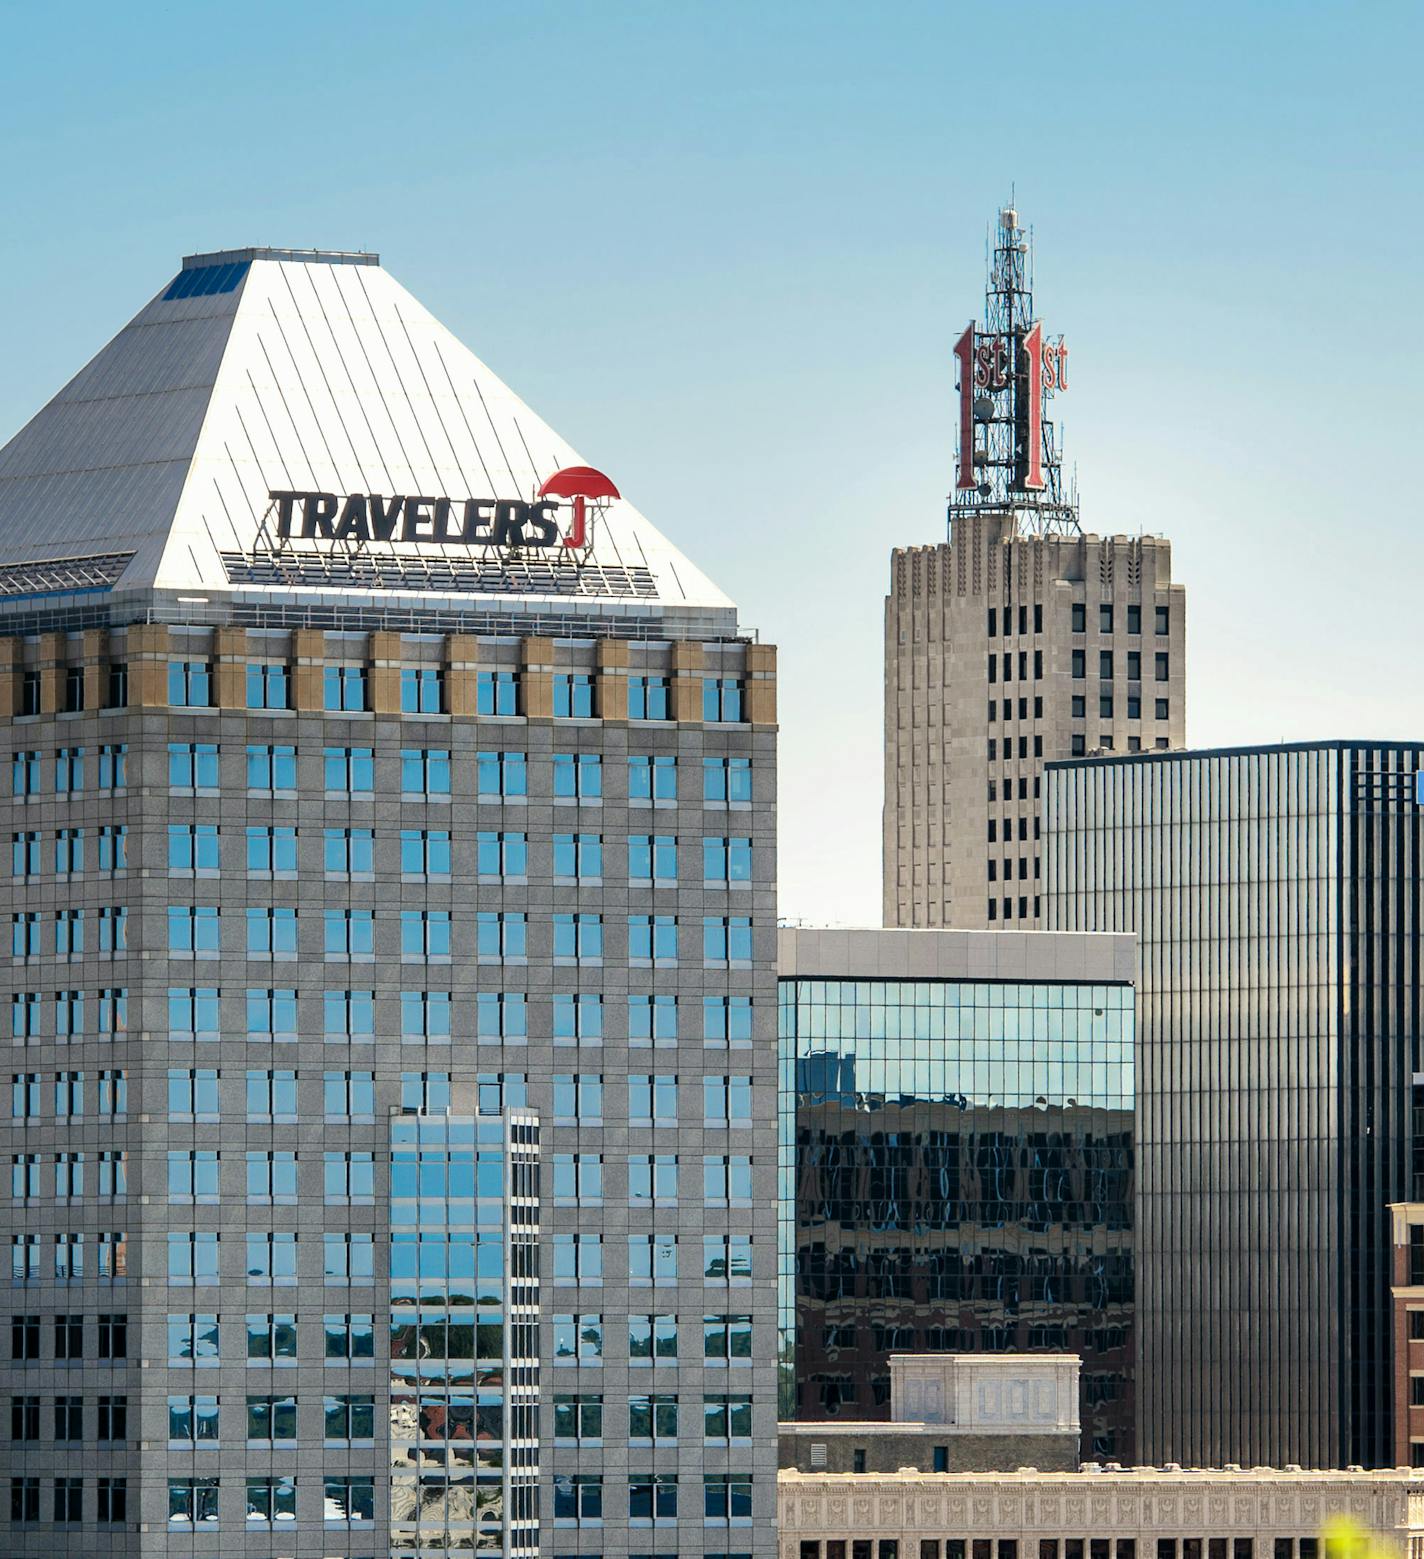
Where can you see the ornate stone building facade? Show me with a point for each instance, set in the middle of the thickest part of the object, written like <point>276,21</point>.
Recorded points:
<point>1141,1513</point>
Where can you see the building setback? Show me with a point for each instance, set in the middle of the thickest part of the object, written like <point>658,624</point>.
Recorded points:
<point>1275,894</point>
<point>956,1162</point>
<point>392,957</point>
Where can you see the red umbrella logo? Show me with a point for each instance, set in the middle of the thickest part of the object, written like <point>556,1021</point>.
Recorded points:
<point>579,483</point>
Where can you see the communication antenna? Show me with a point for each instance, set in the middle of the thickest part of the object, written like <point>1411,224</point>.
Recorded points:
<point>1009,460</point>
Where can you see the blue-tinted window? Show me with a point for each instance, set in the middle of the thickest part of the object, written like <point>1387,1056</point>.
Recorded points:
<point>722,698</point>
<point>422,690</point>
<point>652,778</point>
<point>206,281</point>
<point>425,772</point>
<point>505,774</point>
<point>344,688</point>
<point>349,770</point>
<point>268,686</point>
<point>190,683</point>
<point>497,693</point>
<point>649,698</point>
<point>573,695</point>
<point>578,775</point>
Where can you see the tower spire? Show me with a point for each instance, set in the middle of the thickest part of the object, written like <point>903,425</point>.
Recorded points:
<point>1009,460</point>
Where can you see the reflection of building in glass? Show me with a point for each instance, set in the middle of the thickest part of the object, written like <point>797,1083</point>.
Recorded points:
<point>465,1332</point>
<point>957,1161</point>
<point>1276,896</point>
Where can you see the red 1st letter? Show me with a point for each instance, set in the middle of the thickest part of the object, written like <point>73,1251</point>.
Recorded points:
<point>964,351</point>
<point>1032,382</point>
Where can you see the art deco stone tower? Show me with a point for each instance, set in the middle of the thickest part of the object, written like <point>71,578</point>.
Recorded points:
<point>1017,641</point>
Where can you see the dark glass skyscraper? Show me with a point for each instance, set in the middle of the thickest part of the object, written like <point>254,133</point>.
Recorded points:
<point>1275,893</point>
<point>956,1161</point>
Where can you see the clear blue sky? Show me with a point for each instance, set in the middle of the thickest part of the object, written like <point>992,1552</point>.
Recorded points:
<point>725,249</point>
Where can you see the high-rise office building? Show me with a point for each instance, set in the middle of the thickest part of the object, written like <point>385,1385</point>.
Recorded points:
<point>956,1162</point>
<point>1275,894</point>
<point>1016,641</point>
<point>391,904</point>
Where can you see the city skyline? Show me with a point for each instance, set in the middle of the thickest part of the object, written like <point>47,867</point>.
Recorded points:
<point>744,244</point>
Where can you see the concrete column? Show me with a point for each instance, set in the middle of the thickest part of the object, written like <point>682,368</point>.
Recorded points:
<point>9,678</point>
<point>50,664</point>
<point>687,662</point>
<point>308,657</point>
<point>94,656</point>
<point>761,684</point>
<point>462,654</point>
<point>148,649</point>
<point>230,668</point>
<point>612,679</point>
<point>537,661</point>
<point>385,654</point>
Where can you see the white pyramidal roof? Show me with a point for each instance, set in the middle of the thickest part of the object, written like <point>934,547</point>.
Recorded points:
<point>261,371</point>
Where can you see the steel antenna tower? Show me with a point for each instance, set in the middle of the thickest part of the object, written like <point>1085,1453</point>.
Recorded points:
<point>1000,411</point>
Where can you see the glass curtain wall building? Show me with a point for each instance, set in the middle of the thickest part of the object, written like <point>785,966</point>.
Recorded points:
<point>391,900</point>
<point>1275,894</point>
<point>956,1161</point>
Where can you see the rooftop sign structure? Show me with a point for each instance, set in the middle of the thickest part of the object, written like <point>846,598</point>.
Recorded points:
<point>293,424</point>
<point>1008,373</point>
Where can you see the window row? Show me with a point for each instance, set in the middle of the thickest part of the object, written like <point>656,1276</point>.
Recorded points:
<point>1023,872</point>
<point>347,689</point>
<point>67,1176</point>
<point>195,1421</point>
<point>1007,908</point>
<point>1003,666</point>
<point>1160,665</point>
<point>419,854</point>
<point>1007,618</point>
<point>71,769</point>
<point>1008,708</point>
<point>69,1094</point>
<point>652,1259</point>
<point>424,935</point>
<point>69,1506</point>
<point>68,1334</point>
<point>1161,707</point>
<point>423,772</point>
<point>1006,832</point>
<point>274,1015</point>
<point>268,1500</point>
<point>70,933</point>
<point>1025,745</point>
<point>270,1256</point>
<point>579,1419</point>
<point>73,693</point>
<point>195,1093</point>
<point>426,773</point>
<point>1079,744</point>
<point>68,854</point>
<point>68,1258</point>
<point>270,1339</point>
<point>652,1498</point>
<point>1132,612</point>
<point>726,1340</point>
<point>271,1177</point>
<point>70,1419</point>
